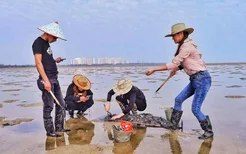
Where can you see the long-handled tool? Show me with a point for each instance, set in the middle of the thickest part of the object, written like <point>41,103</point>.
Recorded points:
<point>57,102</point>
<point>163,83</point>
<point>63,109</point>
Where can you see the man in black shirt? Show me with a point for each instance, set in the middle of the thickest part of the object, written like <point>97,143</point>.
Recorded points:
<point>48,74</point>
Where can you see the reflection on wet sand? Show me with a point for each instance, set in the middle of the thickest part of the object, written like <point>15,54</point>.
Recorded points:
<point>82,131</point>
<point>51,143</point>
<point>206,146</point>
<point>176,147</point>
<point>128,147</point>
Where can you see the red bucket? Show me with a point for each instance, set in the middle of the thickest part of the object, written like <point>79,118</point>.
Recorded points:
<point>127,126</point>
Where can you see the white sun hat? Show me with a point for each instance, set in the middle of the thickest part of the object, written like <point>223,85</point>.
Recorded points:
<point>123,86</point>
<point>53,29</point>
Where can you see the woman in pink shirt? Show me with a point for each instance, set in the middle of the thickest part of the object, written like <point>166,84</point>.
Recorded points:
<point>189,58</point>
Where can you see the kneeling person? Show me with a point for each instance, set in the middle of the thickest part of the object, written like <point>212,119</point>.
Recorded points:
<point>130,98</point>
<point>79,95</point>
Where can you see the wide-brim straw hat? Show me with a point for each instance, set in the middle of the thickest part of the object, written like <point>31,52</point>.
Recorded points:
<point>53,29</point>
<point>82,82</point>
<point>123,86</point>
<point>179,27</point>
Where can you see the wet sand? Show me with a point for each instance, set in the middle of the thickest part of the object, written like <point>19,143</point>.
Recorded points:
<point>21,99</point>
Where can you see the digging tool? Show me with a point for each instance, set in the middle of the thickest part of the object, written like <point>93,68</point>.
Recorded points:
<point>163,83</point>
<point>108,113</point>
<point>52,94</point>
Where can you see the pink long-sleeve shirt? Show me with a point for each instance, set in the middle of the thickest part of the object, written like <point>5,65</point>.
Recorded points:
<point>189,57</point>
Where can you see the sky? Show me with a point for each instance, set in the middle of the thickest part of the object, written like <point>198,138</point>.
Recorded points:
<point>130,29</point>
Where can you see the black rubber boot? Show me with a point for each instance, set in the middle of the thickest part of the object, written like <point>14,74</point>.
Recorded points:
<point>175,119</point>
<point>134,111</point>
<point>207,127</point>
<point>71,113</point>
<point>48,124</point>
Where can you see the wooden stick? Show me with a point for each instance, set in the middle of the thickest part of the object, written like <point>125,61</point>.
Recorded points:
<point>56,99</point>
<point>163,83</point>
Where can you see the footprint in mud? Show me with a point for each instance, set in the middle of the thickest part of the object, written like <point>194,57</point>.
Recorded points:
<point>12,84</point>
<point>217,85</point>
<point>151,81</point>
<point>233,86</point>
<point>145,89</point>
<point>13,122</point>
<point>238,72</point>
<point>100,100</point>
<point>31,105</point>
<point>14,94</point>
<point>10,90</point>
<point>235,96</point>
<point>11,101</point>
<point>26,86</point>
<point>150,135</point>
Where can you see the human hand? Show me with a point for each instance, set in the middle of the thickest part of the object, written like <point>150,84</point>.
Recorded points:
<point>107,107</point>
<point>117,116</point>
<point>47,85</point>
<point>83,99</point>
<point>58,59</point>
<point>172,73</point>
<point>149,72</point>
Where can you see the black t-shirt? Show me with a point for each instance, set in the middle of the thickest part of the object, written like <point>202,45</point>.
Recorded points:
<point>41,46</point>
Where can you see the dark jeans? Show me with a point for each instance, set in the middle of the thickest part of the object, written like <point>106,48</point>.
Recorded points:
<point>72,105</point>
<point>199,86</point>
<point>49,105</point>
<point>141,104</point>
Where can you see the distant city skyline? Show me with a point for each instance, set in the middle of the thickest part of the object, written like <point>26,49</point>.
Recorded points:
<point>130,29</point>
<point>101,60</point>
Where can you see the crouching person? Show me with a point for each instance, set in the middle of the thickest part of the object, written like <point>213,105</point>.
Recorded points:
<point>129,98</point>
<point>79,96</point>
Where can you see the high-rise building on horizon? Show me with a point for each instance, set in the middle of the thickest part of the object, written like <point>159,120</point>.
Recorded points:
<point>104,60</point>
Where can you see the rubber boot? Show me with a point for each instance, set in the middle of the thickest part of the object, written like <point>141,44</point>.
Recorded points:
<point>175,118</point>
<point>48,124</point>
<point>134,111</point>
<point>207,127</point>
<point>71,113</point>
<point>174,121</point>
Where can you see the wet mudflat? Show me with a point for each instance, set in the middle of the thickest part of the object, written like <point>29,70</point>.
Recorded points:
<point>22,131</point>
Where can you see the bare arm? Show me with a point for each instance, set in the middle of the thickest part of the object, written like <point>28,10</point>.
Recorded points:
<point>161,68</point>
<point>40,68</point>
